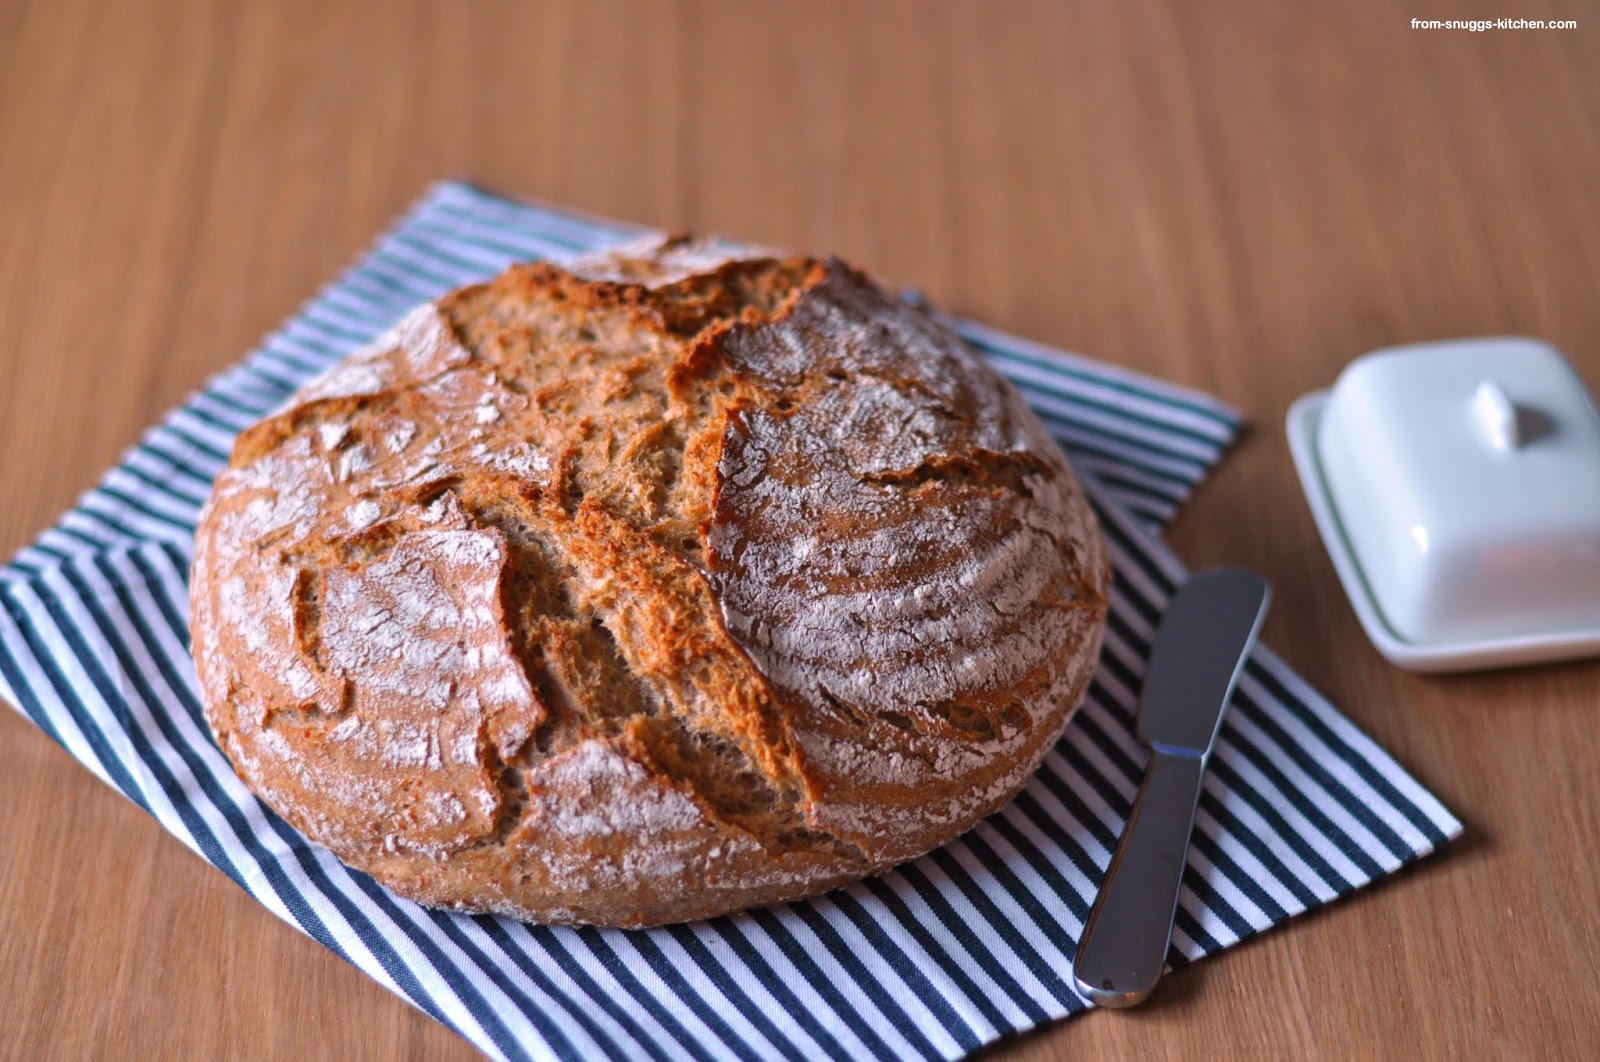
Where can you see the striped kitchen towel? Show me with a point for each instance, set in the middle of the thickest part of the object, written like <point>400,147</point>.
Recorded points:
<point>931,960</point>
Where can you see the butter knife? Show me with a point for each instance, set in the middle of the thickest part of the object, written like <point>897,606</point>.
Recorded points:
<point>1195,661</point>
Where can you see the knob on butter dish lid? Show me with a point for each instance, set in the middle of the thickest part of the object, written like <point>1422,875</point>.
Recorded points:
<point>1456,486</point>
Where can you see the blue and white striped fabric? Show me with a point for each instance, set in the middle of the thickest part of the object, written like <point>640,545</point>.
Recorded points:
<point>929,961</point>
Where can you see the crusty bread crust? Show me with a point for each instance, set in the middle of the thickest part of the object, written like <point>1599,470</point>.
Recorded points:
<point>673,582</point>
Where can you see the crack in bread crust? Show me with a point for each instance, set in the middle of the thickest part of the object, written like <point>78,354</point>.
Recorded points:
<point>672,581</point>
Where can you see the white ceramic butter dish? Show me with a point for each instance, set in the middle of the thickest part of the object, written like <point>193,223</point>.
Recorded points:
<point>1457,488</point>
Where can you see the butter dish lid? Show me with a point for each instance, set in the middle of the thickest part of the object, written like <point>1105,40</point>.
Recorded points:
<point>1456,486</point>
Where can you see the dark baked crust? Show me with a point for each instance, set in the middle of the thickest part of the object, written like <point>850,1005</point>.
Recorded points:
<point>673,582</point>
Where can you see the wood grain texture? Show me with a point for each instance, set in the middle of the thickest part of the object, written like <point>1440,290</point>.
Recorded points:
<point>1239,196</point>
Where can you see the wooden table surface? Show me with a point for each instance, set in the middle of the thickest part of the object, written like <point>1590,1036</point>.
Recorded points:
<point>1241,197</point>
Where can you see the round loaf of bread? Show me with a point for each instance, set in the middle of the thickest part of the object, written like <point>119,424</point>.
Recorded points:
<point>676,581</point>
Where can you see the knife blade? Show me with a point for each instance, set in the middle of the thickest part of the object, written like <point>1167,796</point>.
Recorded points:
<point>1198,652</point>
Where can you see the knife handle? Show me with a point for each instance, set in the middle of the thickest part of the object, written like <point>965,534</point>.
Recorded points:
<point>1124,945</point>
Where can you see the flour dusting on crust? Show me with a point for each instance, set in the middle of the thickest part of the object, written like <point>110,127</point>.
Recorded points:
<point>685,578</point>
